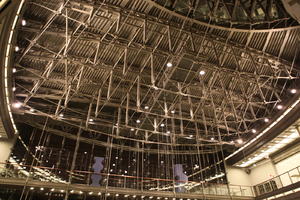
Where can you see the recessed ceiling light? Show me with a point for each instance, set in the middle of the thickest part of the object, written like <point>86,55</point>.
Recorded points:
<point>23,22</point>
<point>138,121</point>
<point>169,64</point>
<point>279,107</point>
<point>266,120</point>
<point>293,91</point>
<point>202,72</point>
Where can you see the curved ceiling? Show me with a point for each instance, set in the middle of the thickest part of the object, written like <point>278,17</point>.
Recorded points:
<point>138,73</point>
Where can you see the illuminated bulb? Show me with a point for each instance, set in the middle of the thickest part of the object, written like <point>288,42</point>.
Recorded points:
<point>202,72</point>
<point>72,191</point>
<point>117,195</point>
<point>266,120</point>
<point>91,120</point>
<point>61,114</point>
<point>134,196</point>
<point>23,22</point>
<point>168,132</point>
<point>150,197</point>
<point>253,131</point>
<point>212,138</point>
<point>169,64</point>
<point>32,188</point>
<point>126,195</point>
<point>146,107</point>
<point>14,89</point>
<point>279,107</point>
<point>85,152</point>
<point>90,193</point>
<point>132,129</point>
<point>108,194</point>
<point>17,105</point>
<point>61,190</point>
<point>99,193</point>
<point>125,172</point>
<point>52,189</point>
<point>142,197</point>
<point>172,111</point>
<point>14,70</point>
<point>293,91</point>
<point>80,192</point>
<point>162,125</point>
<point>138,121</point>
<point>17,48</point>
<point>31,110</point>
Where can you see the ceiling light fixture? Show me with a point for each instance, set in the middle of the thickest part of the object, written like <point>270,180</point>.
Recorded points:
<point>169,64</point>
<point>138,121</point>
<point>146,107</point>
<point>61,114</point>
<point>293,91</point>
<point>17,105</point>
<point>279,107</point>
<point>162,125</point>
<point>23,22</point>
<point>173,111</point>
<point>14,70</point>
<point>91,120</point>
<point>240,141</point>
<point>132,129</point>
<point>202,72</point>
<point>266,120</point>
<point>17,48</point>
<point>253,130</point>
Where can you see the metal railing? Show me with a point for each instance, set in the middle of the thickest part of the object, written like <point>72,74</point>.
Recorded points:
<point>290,177</point>
<point>142,184</point>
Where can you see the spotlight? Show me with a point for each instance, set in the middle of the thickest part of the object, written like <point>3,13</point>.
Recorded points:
<point>146,107</point>
<point>253,130</point>
<point>168,132</point>
<point>85,152</point>
<point>17,105</point>
<point>134,196</point>
<point>279,107</point>
<point>52,190</point>
<point>117,195</point>
<point>32,188</point>
<point>240,141</point>
<point>42,189</point>
<point>172,111</point>
<point>23,22</point>
<point>169,64</point>
<point>126,195</point>
<point>132,129</point>
<point>80,192</point>
<point>293,91</point>
<point>99,193</point>
<point>162,125</point>
<point>138,121</point>
<point>14,70</point>
<point>72,191</point>
<point>91,120</point>
<point>212,138</point>
<point>62,191</point>
<point>31,110</point>
<point>202,72</point>
<point>266,120</point>
<point>17,48</point>
<point>14,89</point>
<point>90,193</point>
<point>61,114</point>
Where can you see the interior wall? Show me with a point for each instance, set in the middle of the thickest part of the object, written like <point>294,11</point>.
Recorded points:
<point>237,176</point>
<point>5,150</point>
<point>288,164</point>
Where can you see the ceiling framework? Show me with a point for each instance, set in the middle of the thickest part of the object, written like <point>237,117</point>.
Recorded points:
<point>133,71</point>
<point>258,14</point>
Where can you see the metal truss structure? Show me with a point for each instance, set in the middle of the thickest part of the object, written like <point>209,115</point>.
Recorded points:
<point>134,72</point>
